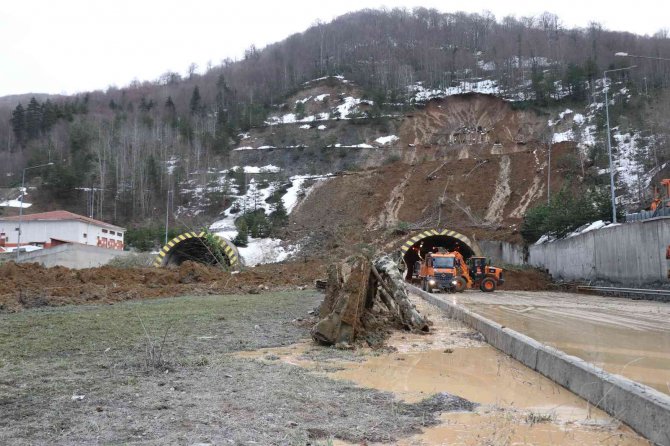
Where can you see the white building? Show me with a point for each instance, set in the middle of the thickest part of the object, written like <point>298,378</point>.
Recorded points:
<point>49,229</point>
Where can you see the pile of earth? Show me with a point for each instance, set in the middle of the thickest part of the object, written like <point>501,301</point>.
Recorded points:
<point>31,285</point>
<point>526,279</point>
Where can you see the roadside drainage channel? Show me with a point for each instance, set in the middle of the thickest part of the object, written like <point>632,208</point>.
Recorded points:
<point>644,409</point>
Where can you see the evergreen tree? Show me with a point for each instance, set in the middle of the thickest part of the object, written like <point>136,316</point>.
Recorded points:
<point>242,237</point>
<point>49,115</point>
<point>33,119</point>
<point>299,110</point>
<point>196,102</point>
<point>279,216</point>
<point>18,120</point>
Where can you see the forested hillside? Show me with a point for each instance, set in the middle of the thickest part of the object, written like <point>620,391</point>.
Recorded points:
<point>118,152</point>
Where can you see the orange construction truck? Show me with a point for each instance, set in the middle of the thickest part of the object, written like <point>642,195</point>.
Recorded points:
<point>448,271</point>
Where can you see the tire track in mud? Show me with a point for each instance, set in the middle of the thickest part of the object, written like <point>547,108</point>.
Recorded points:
<point>502,192</point>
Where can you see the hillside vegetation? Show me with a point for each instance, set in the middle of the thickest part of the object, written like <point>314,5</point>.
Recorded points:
<point>339,93</point>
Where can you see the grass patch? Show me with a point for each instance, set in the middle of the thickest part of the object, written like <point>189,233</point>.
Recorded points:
<point>219,323</point>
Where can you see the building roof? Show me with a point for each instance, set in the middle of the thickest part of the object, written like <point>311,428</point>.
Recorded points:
<point>62,216</point>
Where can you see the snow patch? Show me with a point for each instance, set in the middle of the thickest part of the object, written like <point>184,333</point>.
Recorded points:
<point>321,127</point>
<point>568,135</point>
<point>383,140</point>
<point>486,86</point>
<point>264,250</point>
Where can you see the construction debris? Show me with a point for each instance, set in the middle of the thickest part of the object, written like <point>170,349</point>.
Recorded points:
<point>353,289</point>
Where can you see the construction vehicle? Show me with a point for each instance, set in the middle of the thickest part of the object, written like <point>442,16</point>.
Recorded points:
<point>658,201</point>
<point>448,271</point>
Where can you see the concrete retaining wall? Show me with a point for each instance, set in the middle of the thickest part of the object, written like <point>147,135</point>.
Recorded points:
<point>631,253</point>
<point>644,409</point>
<point>71,256</point>
<point>503,252</point>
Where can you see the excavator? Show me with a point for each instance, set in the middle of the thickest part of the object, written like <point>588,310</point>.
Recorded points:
<point>448,271</point>
<point>658,201</point>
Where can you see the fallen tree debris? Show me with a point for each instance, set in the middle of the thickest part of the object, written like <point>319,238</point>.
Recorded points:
<point>353,289</point>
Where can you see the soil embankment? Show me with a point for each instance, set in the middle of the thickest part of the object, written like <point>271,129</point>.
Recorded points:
<point>31,285</point>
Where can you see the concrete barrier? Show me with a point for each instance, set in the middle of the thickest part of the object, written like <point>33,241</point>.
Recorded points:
<point>644,409</point>
<point>630,254</point>
<point>503,252</point>
<point>71,255</point>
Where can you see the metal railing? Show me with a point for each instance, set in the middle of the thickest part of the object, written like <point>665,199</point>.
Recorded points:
<point>641,293</point>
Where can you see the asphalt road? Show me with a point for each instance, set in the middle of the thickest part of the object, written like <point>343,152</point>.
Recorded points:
<point>623,336</point>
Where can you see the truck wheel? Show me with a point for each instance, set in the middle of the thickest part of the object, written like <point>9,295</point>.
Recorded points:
<point>488,285</point>
<point>460,285</point>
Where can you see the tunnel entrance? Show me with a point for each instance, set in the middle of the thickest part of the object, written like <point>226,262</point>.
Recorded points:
<point>415,248</point>
<point>197,247</point>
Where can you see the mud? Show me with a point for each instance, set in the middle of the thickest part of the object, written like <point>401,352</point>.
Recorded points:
<point>623,336</point>
<point>516,405</point>
<point>31,285</point>
<point>500,427</point>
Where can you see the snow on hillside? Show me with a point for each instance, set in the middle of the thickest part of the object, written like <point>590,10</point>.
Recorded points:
<point>383,140</point>
<point>263,250</point>
<point>627,146</point>
<point>422,94</point>
<point>349,108</point>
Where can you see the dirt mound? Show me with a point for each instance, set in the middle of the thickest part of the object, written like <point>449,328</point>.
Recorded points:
<point>32,285</point>
<point>527,280</point>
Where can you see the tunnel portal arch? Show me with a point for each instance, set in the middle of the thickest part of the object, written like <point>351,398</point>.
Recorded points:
<point>193,246</point>
<point>416,247</point>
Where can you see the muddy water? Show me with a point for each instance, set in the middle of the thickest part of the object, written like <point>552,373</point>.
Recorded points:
<point>633,349</point>
<point>517,405</point>
<point>505,428</point>
<point>479,374</point>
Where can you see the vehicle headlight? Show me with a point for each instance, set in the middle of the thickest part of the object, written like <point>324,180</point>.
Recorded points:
<point>432,282</point>
<point>454,282</point>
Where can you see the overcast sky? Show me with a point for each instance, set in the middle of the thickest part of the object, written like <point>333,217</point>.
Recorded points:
<point>68,46</point>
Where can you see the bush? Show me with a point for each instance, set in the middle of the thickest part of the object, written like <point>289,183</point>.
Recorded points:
<point>566,211</point>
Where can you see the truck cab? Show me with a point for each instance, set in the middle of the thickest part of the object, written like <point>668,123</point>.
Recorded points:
<point>439,271</point>
<point>481,272</point>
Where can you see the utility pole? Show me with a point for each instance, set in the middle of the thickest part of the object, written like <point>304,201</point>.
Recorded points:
<point>549,172</point>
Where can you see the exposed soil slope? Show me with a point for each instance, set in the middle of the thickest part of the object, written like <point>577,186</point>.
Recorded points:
<point>470,163</point>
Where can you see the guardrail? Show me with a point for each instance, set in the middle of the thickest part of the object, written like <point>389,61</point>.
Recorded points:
<point>635,293</point>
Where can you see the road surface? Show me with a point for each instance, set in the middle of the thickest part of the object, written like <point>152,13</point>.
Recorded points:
<point>623,336</point>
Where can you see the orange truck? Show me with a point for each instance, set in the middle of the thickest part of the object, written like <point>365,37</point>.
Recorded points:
<point>448,271</point>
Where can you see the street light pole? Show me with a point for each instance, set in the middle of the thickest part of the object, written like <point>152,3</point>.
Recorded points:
<point>549,171</point>
<point>23,191</point>
<point>608,137</point>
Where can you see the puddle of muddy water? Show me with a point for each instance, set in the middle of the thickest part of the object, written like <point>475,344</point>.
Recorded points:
<point>505,428</point>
